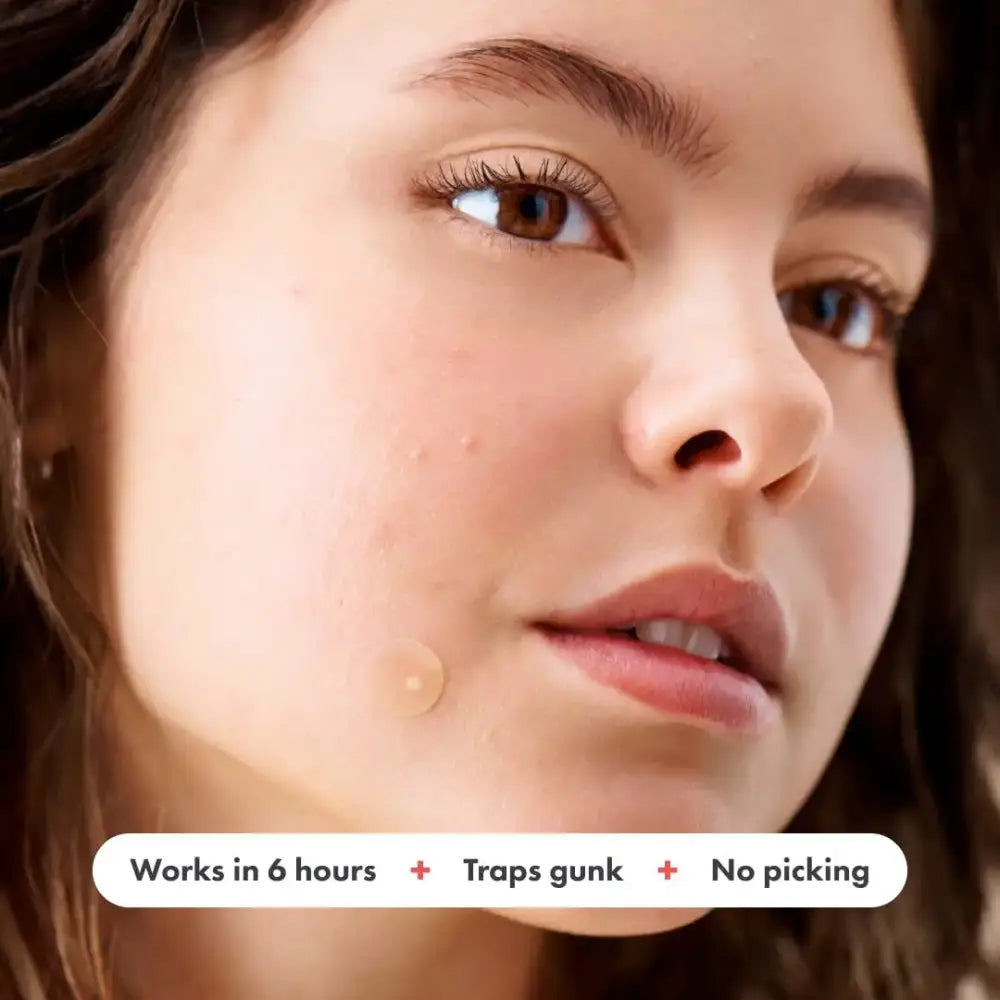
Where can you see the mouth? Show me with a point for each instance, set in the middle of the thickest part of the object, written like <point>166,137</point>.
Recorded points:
<point>693,642</point>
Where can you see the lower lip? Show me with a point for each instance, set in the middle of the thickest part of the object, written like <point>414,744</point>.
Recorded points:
<point>669,680</point>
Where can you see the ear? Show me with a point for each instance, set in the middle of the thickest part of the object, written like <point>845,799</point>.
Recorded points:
<point>46,430</point>
<point>60,369</point>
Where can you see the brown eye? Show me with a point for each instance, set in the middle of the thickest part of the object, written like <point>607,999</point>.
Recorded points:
<point>848,313</point>
<point>531,212</point>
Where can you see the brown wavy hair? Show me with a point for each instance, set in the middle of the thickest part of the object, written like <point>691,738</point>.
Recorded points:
<point>89,92</point>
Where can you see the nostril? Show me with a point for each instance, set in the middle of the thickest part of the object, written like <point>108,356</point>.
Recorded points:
<point>715,447</point>
<point>792,485</point>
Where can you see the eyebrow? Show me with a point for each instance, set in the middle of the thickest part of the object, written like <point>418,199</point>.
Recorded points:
<point>860,189</point>
<point>668,123</point>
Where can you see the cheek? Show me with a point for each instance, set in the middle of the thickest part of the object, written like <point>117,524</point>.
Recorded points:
<point>314,469</point>
<point>458,412</point>
<point>855,524</point>
<point>867,513</point>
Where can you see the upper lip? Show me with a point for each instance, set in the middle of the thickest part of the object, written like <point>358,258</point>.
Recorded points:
<point>743,610</point>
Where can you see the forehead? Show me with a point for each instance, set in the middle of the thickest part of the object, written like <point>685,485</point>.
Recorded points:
<point>815,76</point>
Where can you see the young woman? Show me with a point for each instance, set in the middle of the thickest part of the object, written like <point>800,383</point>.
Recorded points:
<point>482,416</point>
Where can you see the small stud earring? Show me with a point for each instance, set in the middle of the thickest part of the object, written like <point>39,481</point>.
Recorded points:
<point>45,469</point>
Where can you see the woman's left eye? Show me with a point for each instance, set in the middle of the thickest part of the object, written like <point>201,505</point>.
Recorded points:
<point>855,316</point>
<point>531,212</point>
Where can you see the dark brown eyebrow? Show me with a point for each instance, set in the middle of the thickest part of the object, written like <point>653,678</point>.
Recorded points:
<point>861,189</point>
<point>666,123</point>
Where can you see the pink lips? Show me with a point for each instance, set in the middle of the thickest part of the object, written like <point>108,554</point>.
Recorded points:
<point>740,694</point>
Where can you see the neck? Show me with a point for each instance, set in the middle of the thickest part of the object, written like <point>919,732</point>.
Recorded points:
<point>173,784</point>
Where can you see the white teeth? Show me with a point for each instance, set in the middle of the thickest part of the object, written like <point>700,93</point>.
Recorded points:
<point>663,632</point>
<point>698,640</point>
<point>703,642</point>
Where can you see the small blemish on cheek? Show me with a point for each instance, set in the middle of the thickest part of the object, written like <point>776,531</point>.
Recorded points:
<point>384,535</point>
<point>418,455</point>
<point>409,678</point>
<point>470,442</point>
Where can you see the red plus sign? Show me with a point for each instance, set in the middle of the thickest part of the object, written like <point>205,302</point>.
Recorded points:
<point>667,870</point>
<point>420,871</point>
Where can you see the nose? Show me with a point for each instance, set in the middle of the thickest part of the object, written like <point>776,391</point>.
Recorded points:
<point>752,417</point>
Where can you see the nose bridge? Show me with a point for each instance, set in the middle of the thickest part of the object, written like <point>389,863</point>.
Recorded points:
<point>741,403</point>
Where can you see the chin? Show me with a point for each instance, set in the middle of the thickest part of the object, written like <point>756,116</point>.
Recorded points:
<point>605,922</point>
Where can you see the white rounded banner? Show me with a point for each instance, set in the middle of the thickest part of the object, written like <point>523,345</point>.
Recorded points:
<point>494,871</point>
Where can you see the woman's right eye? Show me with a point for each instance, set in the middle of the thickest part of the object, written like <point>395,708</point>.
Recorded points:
<point>532,212</point>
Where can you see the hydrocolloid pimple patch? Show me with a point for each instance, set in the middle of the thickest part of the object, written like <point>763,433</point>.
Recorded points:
<point>410,678</point>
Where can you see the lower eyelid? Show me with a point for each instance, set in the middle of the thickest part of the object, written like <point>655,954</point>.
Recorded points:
<point>496,239</point>
<point>519,244</point>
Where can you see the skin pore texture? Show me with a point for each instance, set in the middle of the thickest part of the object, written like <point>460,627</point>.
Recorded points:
<point>338,414</point>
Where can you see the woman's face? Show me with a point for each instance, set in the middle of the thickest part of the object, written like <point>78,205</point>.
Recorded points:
<point>364,391</point>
